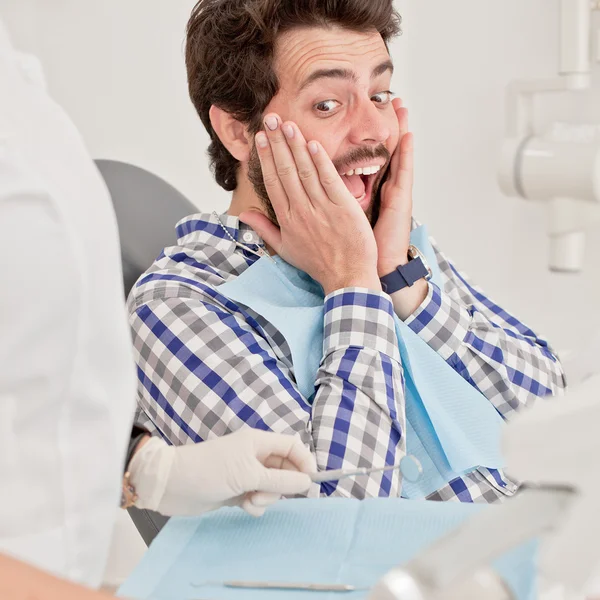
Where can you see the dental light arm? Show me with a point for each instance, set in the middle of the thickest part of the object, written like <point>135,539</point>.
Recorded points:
<point>557,442</point>
<point>554,444</point>
<point>456,567</point>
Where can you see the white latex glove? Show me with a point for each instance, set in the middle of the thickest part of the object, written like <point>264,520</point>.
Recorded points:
<point>249,468</point>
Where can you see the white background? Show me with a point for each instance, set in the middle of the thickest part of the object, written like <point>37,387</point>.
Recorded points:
<point>117,67</point>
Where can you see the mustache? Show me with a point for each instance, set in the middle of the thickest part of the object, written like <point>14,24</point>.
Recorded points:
<point>362,154</point>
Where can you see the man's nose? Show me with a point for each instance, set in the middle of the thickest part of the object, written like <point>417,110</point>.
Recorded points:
<point>369,125</point>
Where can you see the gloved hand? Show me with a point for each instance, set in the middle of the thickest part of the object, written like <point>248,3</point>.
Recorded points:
<point>249,468</point>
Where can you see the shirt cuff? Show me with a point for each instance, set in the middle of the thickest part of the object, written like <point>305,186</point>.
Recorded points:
<point>361,318</point>
<point>441,322</point>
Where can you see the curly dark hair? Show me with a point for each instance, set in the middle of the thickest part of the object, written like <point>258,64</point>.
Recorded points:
<point>230,53</point>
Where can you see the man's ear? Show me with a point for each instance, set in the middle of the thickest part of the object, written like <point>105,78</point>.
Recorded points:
<point>231,132</point>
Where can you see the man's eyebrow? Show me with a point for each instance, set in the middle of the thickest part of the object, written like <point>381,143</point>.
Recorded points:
<point>346,74</point>
<point>328,74</point>
<point>388,65</point>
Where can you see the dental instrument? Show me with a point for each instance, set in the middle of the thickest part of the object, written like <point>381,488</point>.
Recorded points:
<point>409,466</point>
<point>281,585</point>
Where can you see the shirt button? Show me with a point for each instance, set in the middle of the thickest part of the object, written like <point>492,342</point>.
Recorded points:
<point>248,237</point>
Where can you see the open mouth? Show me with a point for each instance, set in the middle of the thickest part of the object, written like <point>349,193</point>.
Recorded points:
<point>360,183</point>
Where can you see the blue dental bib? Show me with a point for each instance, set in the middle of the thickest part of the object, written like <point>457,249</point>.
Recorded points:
<point>451,428</point>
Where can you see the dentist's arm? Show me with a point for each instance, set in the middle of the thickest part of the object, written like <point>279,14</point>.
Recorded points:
<point>20,581</point>
<point>36,333</point>
<point>249,468</point>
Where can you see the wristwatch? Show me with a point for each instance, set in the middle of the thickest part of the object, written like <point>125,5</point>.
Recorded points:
<point>407,275</point>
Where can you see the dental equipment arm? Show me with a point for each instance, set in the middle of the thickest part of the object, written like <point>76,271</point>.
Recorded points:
<point>457,565</point>
<point>557,442</point>
<point>554,444</point>
<point>561,166</point>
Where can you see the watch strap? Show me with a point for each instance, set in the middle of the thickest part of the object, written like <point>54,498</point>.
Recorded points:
<point>404,276</point>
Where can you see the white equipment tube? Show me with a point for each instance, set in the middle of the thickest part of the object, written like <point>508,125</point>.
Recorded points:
<point>561,168</point>
<point>575,51</point>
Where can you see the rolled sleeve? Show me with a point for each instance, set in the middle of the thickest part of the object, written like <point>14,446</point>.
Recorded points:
<point>441,322</point>
<point>360,318</point>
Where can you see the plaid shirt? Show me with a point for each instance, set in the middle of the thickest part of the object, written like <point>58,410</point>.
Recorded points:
<point>208,366</point>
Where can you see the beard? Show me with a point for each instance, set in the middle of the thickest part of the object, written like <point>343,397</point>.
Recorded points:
<point>255,176</point>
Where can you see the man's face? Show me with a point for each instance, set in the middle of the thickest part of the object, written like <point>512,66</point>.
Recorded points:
<point>334,84</point>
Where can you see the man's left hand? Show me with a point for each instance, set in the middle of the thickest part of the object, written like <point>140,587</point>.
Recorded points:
<point>392,230</point>
<point>393,227</point>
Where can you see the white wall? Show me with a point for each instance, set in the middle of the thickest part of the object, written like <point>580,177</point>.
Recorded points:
<point>117,67</point>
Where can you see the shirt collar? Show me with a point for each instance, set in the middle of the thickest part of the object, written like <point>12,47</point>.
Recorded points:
<point>207,228</point>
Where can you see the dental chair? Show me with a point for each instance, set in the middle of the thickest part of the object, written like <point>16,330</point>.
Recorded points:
<point>147,210</point>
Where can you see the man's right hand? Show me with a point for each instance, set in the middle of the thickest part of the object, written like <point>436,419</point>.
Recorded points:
<point>322,229</point>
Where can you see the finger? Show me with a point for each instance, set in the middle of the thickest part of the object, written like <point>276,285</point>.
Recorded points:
<point>263,499</point>
<point>286,446</point>
<point>252,509</point>
<point>307,170</point>
<point>285,164</point>
<point>397,103</point>
<point>402,116</point>
<point>395,162</point>
<point>330,179</point>
<point>399,157</point>
<point>273,184</point>
<point>270,233</point>
<point>398,195</point>
<point>279,462</point>
<point>405,174</point>
<point>280,481</point>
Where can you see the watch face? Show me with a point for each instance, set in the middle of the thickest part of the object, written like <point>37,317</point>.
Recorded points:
<point>414,252</point>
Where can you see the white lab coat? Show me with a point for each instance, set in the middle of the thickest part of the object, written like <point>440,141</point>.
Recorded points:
<point>67,381</point>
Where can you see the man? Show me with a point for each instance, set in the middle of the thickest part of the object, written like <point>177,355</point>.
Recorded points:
<point>266,76</point>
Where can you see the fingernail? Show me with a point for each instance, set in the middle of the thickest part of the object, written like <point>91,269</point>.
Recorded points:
<point>271,123</point>
<point>313,147</point>
<point>261,140</point>
<point>289,131</point>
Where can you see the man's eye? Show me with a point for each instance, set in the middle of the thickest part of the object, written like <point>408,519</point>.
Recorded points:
<point>383,98</point>
<point>327,106</point>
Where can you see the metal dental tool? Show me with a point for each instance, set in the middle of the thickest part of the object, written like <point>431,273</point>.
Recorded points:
<point>409,466</point>
<point>281,585</point>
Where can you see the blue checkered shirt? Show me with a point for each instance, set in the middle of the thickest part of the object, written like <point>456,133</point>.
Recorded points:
<point>208,366</point>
